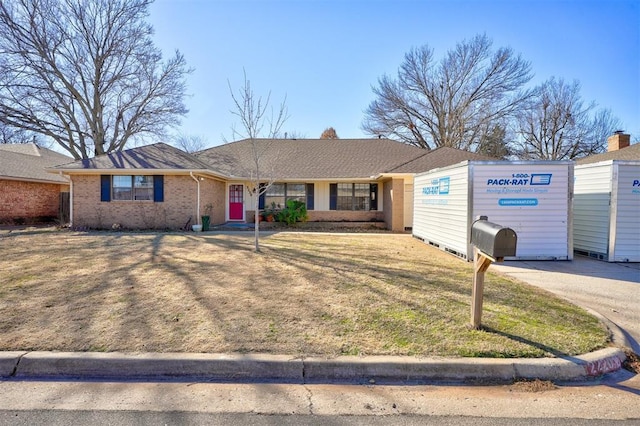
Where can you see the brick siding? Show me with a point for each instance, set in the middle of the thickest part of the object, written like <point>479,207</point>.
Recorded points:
<point>179,205</point>
<point>212,192</point>
<point>345,216</point>
<point>29,201</point>
<point>335,216</point>
<point>393,196</point>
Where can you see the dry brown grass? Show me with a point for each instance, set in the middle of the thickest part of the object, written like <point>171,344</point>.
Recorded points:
<point>305,294</point>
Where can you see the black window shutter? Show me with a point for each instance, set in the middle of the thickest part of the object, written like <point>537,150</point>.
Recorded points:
<point>261,191</point>
<point>105,188</point>
<point>158,188</point>
<point>333,196</point>
<point>373,189</point>
<point>309,196</point>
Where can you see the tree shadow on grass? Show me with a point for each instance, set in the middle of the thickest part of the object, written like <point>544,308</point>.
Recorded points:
<point>545,348</point>
<point>132,269</point>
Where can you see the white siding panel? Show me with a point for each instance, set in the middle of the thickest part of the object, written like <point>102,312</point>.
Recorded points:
<point>607,210</point>
<point>626,207</point>
<point>321,196</point>
<point>249,199</point>
<point>591,207</point>
<point>533,199</point>
<point>441,210</point>
<point>408,205</point>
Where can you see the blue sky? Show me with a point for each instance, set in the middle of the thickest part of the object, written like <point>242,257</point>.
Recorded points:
<point>325,55</point>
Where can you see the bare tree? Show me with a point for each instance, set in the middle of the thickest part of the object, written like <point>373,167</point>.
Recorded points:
<point>453,102</point>
<point>190,143</point>
<point>558,125</point>
<point>86,73</point>
<point>11,135</point>
<point>494,143</point>
<point>329,133</point>
<point>258,120</point>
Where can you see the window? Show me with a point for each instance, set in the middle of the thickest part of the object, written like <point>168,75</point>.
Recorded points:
<point>353,196</point>
<point>138,188</point>
<point>280,193</point>
<point>275,195</point>
<point>296,191</point>
<point>132,188</point>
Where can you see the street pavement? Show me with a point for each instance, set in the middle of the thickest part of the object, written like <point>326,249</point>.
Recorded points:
<point>613,398</point>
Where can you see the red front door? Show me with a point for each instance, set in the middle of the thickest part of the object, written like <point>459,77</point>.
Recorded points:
<point>236,205</point>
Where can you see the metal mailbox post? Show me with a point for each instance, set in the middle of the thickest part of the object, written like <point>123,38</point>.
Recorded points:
<point>492,243</point>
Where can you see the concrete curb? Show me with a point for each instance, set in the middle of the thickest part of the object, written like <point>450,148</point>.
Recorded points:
<point>9,363</point>
<point>239,368</point>
<point>406,369</point>
<point>117,365</point>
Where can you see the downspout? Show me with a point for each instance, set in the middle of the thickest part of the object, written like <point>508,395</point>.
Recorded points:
<point>198,197</point>
<point>70,200</point>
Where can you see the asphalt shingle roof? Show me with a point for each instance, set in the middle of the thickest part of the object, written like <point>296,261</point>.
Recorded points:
<point>440,157</point>
<point>327,158</point>
<point>158,156</point>
<point>291,159</point>
<point>28,162</point>
<point>630,153</point>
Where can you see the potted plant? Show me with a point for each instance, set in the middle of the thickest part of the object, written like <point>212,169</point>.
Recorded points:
<point>270,214</point>
<point>206,217</point>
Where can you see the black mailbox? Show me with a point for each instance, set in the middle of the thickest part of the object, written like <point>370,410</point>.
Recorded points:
<point>492,239</point>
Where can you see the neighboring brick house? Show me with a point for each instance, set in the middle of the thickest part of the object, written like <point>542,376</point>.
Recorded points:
<point>28,193</point>
<point>338,179</point>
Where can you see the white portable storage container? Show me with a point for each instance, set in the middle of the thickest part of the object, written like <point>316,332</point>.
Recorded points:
<point>531,197</point>
<point>606,220</point>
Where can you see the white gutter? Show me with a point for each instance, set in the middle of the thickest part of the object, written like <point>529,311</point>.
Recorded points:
<point>70,200</point>
<point>165,172</point>
<point>198,198</point>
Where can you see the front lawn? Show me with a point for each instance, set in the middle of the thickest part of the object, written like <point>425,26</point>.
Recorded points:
<point>305,294</point>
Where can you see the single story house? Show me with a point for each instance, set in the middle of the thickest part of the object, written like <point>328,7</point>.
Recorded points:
<point>159,186</point>
<point>27,192</point>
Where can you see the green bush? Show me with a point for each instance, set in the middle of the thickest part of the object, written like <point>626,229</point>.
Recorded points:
<point>294,211</point>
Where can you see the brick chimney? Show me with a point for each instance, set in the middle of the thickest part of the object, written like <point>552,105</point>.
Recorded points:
<point>618,140</point>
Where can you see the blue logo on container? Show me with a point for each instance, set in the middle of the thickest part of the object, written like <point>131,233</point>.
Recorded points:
<point>522,179</point>
<point>438,187</point>
<point>518,201</point>
<point>443,185</point>
<point>541,179</point>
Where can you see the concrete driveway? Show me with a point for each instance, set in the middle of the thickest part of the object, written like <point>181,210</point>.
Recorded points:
<point>610,289</point>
